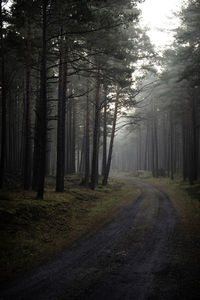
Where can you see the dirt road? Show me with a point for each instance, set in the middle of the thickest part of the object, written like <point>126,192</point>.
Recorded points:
<point>130,258</point>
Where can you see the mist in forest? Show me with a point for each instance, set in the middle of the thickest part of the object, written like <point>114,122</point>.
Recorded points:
<point>71,73</point>
<point>99,149</point>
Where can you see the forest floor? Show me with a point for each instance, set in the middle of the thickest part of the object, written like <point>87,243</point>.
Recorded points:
<point>33,230</point>
<point>150,250</point>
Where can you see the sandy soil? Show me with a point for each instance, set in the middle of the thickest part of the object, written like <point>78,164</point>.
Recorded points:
<point>133,257</point>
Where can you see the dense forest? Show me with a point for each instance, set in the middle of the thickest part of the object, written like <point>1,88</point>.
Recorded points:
<point>99,150</point>
<point>77,74</point>
<point>165,125</point>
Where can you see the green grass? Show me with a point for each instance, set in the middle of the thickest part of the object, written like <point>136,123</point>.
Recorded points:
<point>34,230</point>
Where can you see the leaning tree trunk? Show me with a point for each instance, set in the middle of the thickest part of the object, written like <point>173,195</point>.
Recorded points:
<point>105,179</point>
<point>94,173</point>
<point>42,113</point>
<point>61,118</point>
<point>3,101</point>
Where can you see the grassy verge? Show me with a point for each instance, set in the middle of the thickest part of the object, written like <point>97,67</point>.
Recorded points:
<point>33,230</point>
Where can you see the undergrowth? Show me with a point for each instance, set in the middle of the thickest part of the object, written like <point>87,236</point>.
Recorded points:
<point>33,230</point>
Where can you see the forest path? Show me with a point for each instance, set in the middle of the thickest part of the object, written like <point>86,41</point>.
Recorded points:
<point>128,258</point>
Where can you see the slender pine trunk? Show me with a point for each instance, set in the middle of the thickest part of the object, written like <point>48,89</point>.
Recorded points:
<point>43,109</point>
<point>36,142</point>
<point>3,101</point>
<point>94,173</point>
<point>105,179</point>
<point>146,154</point>
<point>171,146</point>
<point>27,136</point>
<point>73,145</point>
<point>152,150</point>
<point>104,158</point>
<point>61,117</point>
<point>87,138</point>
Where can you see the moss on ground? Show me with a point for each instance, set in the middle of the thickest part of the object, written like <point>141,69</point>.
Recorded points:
<point>32,230</point>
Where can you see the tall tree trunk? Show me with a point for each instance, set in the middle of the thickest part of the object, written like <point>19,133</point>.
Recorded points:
<point>87,138</point>
<point>171,145</point>
<point>42,114</point>
<point>73,145</point>
<point>104,158</point>
<point>156,147</point>
<point>69,138</point>
<point>194,134</point>
<point>27,136</point>
<point>94,173</point>
<point>105,179</point>
<point>139,149</point>
<point>165,152</point>
<point>192,142</point>
<point>61,118</point>
<point>154,141</point>
<point>152,150</point>
<point>3,101</point>
<point>82,159</point>
<point>36,141</point>
<point>146,147</point>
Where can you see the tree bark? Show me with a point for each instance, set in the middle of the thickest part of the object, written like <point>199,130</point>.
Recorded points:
<point>105,179</point>
<point>146,154</point>
<point>87,138</point>
<point>94,173</point>
<point>192,143</point>
<point>152,150</point>
<point>28,140</point>
<point>36,142</point>
<point>3,101</point>
<point>61,117</point>
<point>154,141</point>
<point>73,144</point>
<point>156,146</point>
<point>104,158</point>
<point>171,146</point>
<point>42,114</point>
